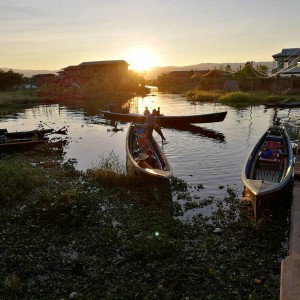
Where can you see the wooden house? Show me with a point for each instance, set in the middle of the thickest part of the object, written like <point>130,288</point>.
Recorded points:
<point>95,73</point>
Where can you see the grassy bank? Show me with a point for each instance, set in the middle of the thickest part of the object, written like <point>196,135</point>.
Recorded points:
<point>238,98</point>
<point>97,235</point>
<point>18,97</point>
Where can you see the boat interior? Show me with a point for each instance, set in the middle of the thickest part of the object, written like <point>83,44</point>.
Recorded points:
<point>270,161</point>
<point>140,143</point>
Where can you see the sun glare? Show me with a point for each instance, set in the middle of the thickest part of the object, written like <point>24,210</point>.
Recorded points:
<point>141,59</point>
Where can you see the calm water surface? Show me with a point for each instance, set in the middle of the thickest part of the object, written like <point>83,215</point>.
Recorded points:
<point>212,155</point>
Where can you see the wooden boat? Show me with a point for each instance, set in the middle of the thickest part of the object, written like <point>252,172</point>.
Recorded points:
<point>286,103</point>
<point>139,144</point>
<point>268,170</point>
<point>11,145</point>
<point>165,120</point>
<point>38,133</point>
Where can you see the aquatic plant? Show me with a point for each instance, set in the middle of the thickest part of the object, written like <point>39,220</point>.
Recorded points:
<point>18,178</point>
<point>76,237</point>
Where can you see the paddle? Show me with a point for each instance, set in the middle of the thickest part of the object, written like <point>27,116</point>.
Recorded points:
<point>63,130</point>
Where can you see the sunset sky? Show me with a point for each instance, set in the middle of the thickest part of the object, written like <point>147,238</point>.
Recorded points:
<point>40,34</point>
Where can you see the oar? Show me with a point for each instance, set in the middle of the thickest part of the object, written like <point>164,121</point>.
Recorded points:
<point>62,130</point>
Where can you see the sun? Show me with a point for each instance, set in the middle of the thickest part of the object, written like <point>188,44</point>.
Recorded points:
<point>141,59</point>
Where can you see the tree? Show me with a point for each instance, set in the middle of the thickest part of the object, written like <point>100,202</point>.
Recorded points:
<point>245,72</point>
<point>9,79</point>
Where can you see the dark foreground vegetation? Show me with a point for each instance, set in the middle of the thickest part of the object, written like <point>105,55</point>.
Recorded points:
<point>65,234</point>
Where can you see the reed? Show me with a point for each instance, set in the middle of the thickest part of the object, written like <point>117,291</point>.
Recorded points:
<point>109,170</point>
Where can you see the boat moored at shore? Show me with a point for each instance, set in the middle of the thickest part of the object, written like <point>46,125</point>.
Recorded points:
<point>268,170</point>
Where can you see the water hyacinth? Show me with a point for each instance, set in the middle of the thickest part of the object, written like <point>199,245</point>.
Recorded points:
<point>75,237</point>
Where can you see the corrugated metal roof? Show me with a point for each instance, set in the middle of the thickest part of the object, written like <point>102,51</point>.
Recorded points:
<point>288,52</point>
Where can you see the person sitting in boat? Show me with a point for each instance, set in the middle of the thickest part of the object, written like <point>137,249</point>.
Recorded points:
<point>158,112</point>
<point>141,161</point>
<point>146,111</point>
<point>151,123</point>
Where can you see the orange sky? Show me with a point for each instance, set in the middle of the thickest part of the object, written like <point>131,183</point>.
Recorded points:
<point>38,34</point>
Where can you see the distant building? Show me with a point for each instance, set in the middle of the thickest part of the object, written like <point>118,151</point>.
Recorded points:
<point>186,74</point>
<point>287,62</point>
<point>114,72</point>
<point>42,79</point>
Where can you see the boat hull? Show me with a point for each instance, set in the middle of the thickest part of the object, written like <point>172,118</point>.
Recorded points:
<point>26,134</point>
<point>20,145</point>
<point>268,180</point>
<point>265,204</point>
<point>134,146</point>
<point>166,121</point>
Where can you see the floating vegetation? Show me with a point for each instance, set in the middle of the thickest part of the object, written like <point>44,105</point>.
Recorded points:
<point>69,236</point>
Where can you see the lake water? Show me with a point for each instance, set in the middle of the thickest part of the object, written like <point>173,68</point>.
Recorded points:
<point>212,156</point>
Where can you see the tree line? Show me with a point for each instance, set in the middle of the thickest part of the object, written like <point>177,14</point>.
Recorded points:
<point>10,79</point>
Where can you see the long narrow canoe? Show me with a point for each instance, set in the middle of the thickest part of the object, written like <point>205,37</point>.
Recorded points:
<point>38,133</point>
<point>165,120</point>
<point>138,143</point>
<point>12,145</point>
<point>268,170</point>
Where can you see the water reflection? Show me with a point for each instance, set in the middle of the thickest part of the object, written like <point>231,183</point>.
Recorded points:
<point>211,154</point>
<point>201,131</point>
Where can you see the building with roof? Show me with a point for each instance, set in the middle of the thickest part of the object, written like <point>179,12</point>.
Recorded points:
<point>287,62</point>
<point>113,70</point>
<point>42,79</point>
<point>95,74</point>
